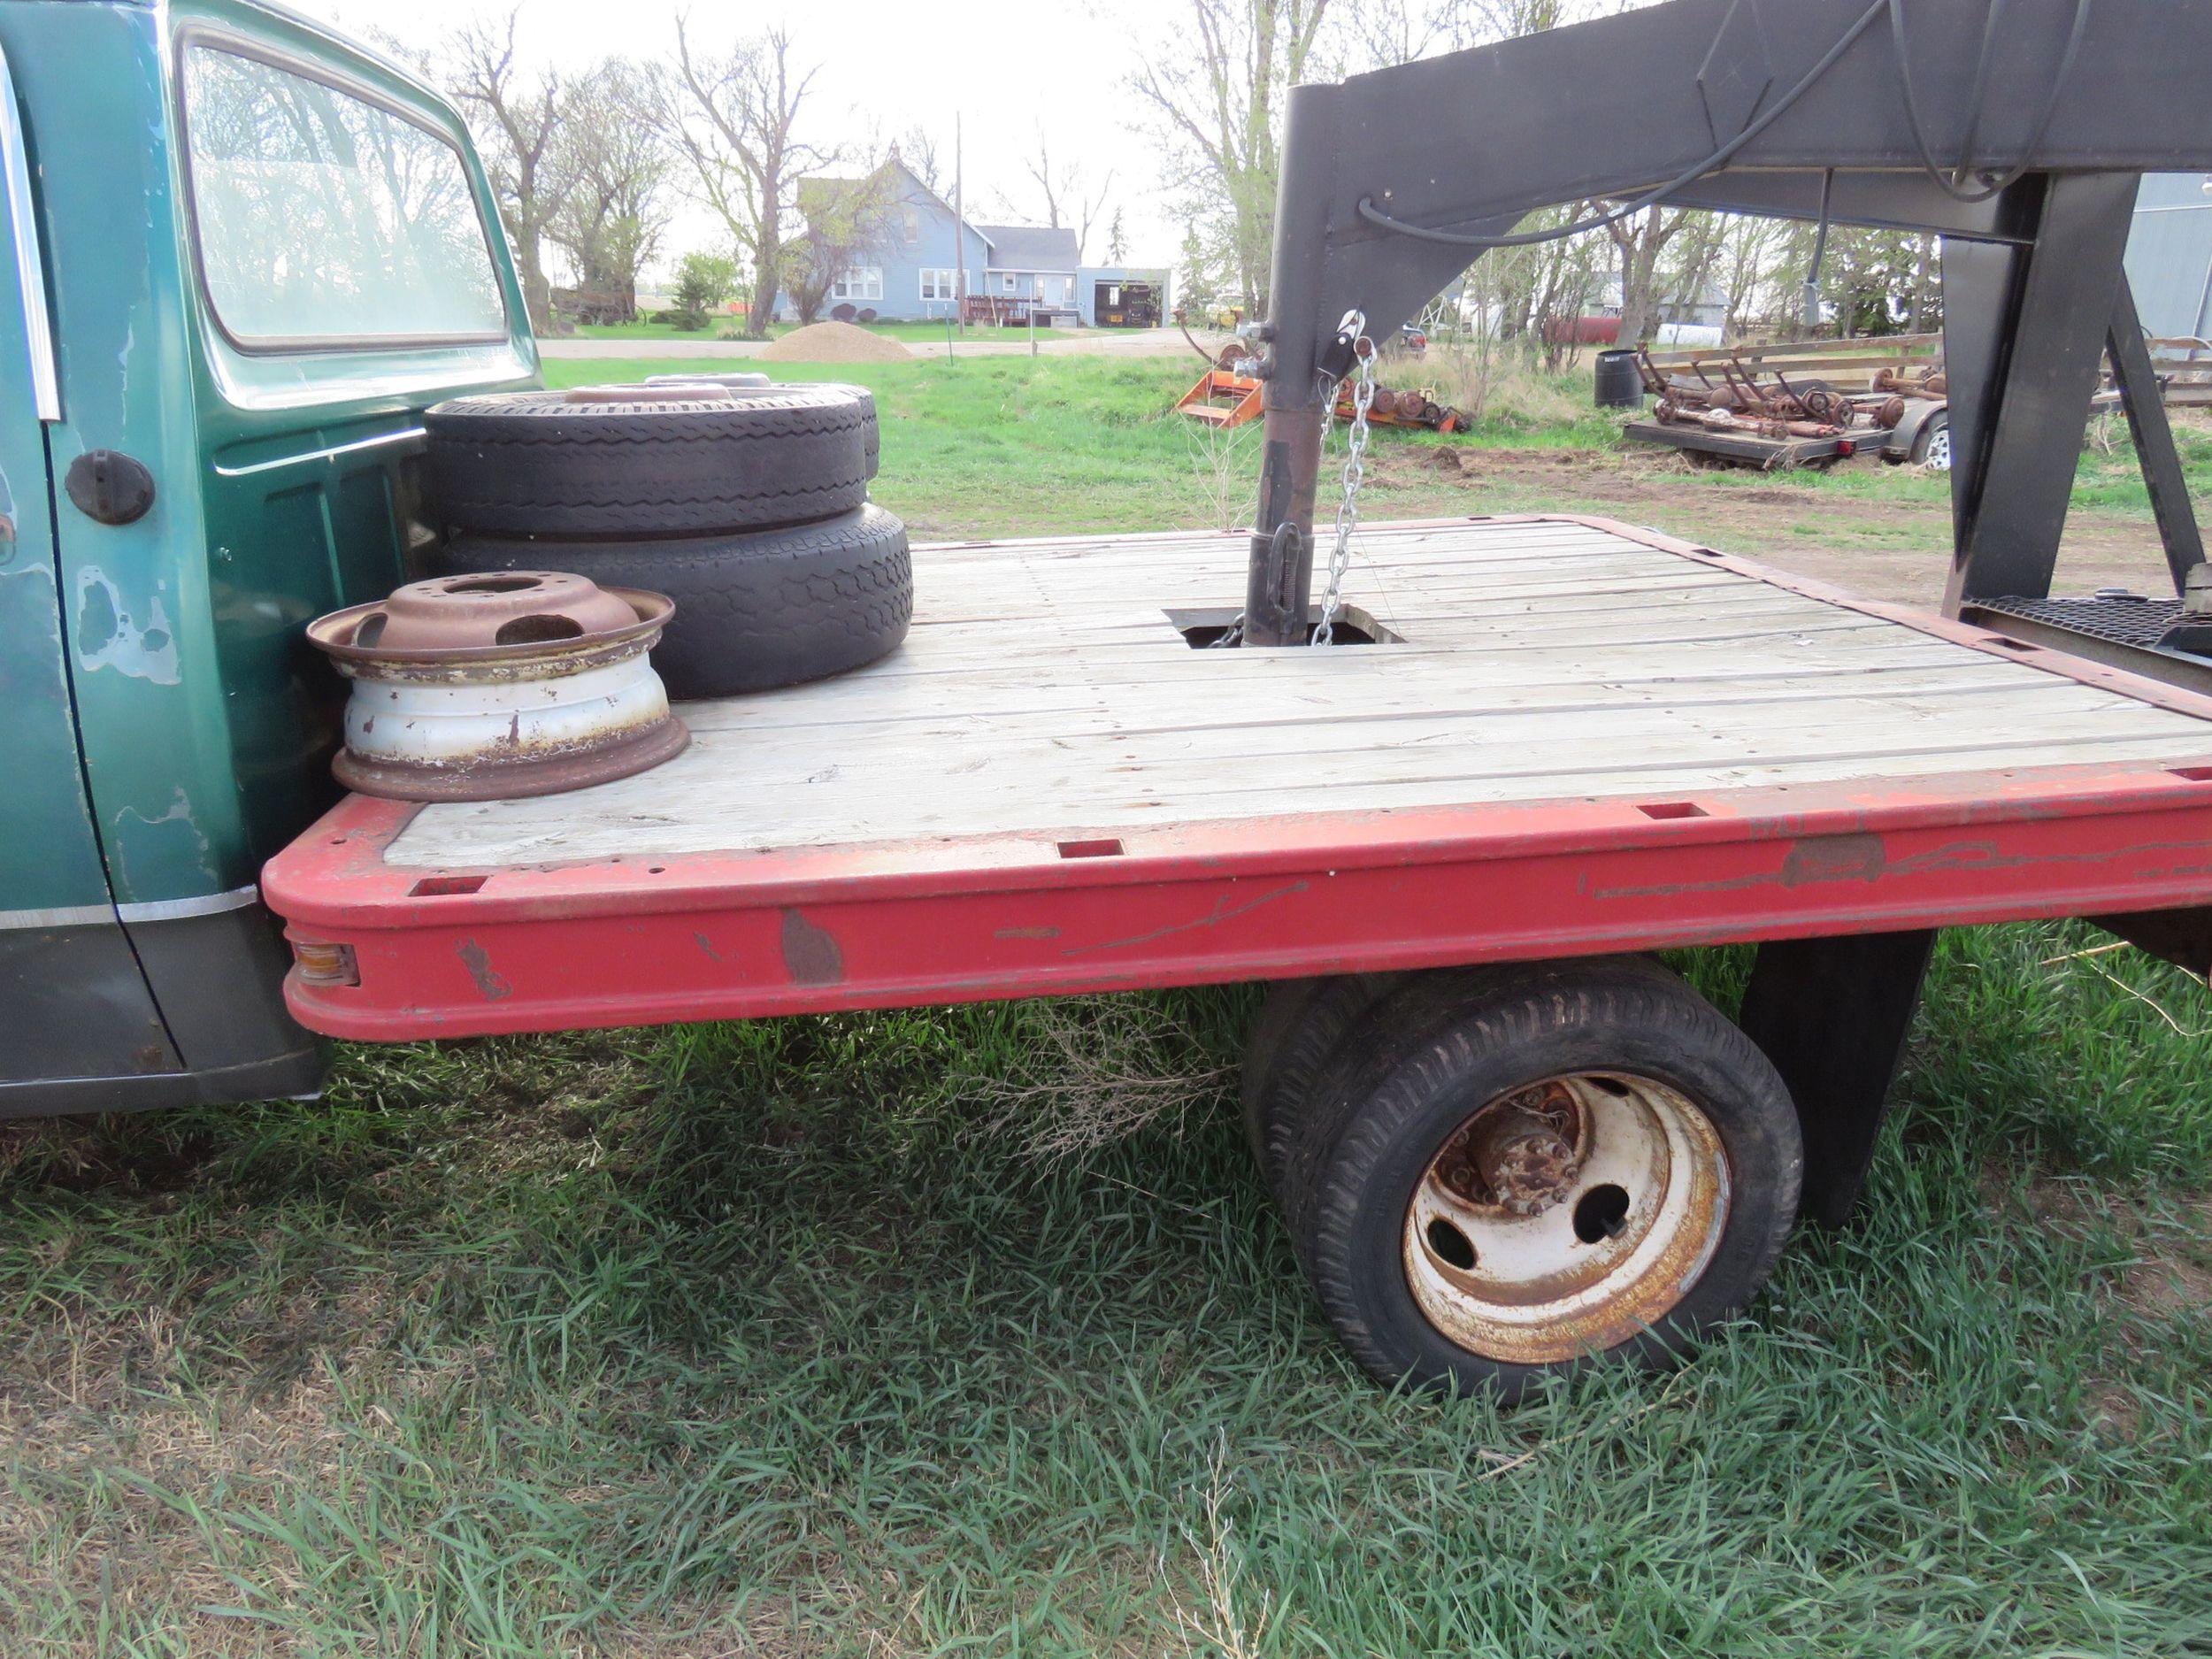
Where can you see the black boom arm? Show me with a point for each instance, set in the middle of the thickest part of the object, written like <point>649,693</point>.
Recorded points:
<point>2016,129</point>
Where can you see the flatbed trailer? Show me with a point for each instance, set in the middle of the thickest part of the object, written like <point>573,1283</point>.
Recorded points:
<point>1503,1139</point>
<point>1750,449</point>
<point>1572,738</point>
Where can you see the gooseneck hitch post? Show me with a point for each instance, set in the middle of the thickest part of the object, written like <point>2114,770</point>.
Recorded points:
<point>1393,181</point>
<point>1297,388</point>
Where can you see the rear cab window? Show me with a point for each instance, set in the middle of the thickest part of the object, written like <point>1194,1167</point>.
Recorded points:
<point>326,219</point>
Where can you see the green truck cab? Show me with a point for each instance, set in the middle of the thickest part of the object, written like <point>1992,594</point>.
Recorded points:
<point>239,257</point>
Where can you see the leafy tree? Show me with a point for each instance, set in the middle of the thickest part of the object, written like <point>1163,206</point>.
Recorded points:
<point>704,280</point>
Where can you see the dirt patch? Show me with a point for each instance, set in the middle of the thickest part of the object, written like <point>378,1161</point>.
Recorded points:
<point>1897,550</point>
<point>2166,1287</point>
<point>836,342</point>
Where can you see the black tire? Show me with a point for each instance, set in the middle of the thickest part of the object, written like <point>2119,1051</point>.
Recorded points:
<point>1923,439</point>
<point>1426,1056</point>
<point>764,608</point>
<point>1292,1037</point>
<point>535,464</point>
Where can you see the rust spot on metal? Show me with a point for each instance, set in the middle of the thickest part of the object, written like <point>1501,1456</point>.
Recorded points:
<point>1856,857</point>
<point>1519,1154</point>
<point>701,940</point>
<point>491,984</point>
<point>811,953</point>
<point>1026,932</point>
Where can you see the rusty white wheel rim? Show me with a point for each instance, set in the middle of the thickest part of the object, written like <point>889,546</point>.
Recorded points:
<point>1628,1206</point>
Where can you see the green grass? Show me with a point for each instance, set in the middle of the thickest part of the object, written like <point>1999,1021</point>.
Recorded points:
<point>779,1339</point>
<point>1009,446</point>
<point>652,1343</point>
<point>722,326</point>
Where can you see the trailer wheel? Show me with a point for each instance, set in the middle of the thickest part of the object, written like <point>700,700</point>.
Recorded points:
<point>1509,1173</point>
<point>1296,1034</point>
<point>1932,446</point>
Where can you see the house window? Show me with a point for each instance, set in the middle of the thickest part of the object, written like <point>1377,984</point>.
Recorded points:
<point>1007,279</point>
<point>861,282</point>
<point>941,284</point>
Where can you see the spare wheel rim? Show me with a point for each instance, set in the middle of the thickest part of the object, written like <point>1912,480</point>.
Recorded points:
<point>1626,1218</point>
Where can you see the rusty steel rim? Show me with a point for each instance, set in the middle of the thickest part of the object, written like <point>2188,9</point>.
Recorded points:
<point>1564,1217</point>
<point>494,684</point>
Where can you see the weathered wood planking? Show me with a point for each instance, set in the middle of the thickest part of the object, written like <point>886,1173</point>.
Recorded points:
<point>1043,692</point>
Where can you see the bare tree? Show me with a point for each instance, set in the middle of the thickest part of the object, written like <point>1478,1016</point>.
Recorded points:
<point>1639,239</point>
<point>848,222</point>
<point>734,118</point>
<point>618,165</point>
<point>1069,198</point>
<point>1400,30</point>
<point>1219,104</point>
<point>517,118</point>
<point>918,150</point>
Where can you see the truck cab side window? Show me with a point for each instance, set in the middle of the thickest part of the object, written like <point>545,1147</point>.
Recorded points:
<point>326,219</point>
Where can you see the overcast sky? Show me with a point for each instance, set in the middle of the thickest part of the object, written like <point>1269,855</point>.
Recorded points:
<point>885,68</point>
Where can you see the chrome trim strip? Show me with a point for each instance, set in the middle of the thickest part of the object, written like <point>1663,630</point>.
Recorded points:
<point>176,909</point>
<point>30,265</point>
<point>330,454</point>
<point>60,915</point>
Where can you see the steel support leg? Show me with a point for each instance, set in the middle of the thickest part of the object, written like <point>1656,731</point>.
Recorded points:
<point>1833,1014</point>
<point>2024,331</point>
<point>1280,577</point>
<point>2154,438</point>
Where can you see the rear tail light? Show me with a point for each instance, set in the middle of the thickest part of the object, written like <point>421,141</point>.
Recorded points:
<point>318,964</point>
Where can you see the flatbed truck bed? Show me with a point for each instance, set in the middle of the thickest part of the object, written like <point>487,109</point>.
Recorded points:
<point>1571,737</point>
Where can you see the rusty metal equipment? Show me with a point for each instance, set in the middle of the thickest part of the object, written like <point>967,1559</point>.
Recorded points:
<point>1229,395</point>
<point>479,687</point>
<point>1807,408</point>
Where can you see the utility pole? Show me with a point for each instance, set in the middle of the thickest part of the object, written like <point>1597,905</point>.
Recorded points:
<point>959,229</point>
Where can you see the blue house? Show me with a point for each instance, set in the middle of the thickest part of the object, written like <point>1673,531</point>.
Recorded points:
<point>913,259</point>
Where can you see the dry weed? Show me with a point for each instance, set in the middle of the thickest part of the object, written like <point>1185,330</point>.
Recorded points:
<point>1100,1070</point>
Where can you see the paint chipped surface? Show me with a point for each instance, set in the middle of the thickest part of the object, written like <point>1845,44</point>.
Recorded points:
<point>810,952</point>
<point>134,640</point>
<point>491,984</point>
<point>160,846</point>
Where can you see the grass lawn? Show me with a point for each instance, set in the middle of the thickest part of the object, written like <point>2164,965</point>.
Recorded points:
<point>733,327</point>
<point>788,1339</point>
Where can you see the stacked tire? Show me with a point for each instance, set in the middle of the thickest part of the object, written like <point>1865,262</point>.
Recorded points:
<point>747,504</point>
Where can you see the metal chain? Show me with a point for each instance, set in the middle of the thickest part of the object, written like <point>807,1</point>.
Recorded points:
<point>1354,474</point>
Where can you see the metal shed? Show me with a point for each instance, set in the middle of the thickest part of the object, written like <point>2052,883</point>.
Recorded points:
<point>2170,254</point>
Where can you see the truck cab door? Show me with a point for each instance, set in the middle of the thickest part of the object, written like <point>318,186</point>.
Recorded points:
<point>75,1006</point>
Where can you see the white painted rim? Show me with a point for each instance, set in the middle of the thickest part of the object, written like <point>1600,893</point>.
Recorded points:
<point>1939,450</point>
<point>1538,1290</point>
<point>411,723</point>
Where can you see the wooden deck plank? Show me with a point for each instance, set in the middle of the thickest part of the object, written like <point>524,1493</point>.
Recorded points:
<point>1045,692</point>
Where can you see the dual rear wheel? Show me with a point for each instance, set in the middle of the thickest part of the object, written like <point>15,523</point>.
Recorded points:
<point>1496,1175</point>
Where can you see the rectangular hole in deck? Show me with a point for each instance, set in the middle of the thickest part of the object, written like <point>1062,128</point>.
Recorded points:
<point>1108,847</point>
<point>434,887</point>
<point>2194,774</point>
<point>1671,809</point>
<point>1203,626</point>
